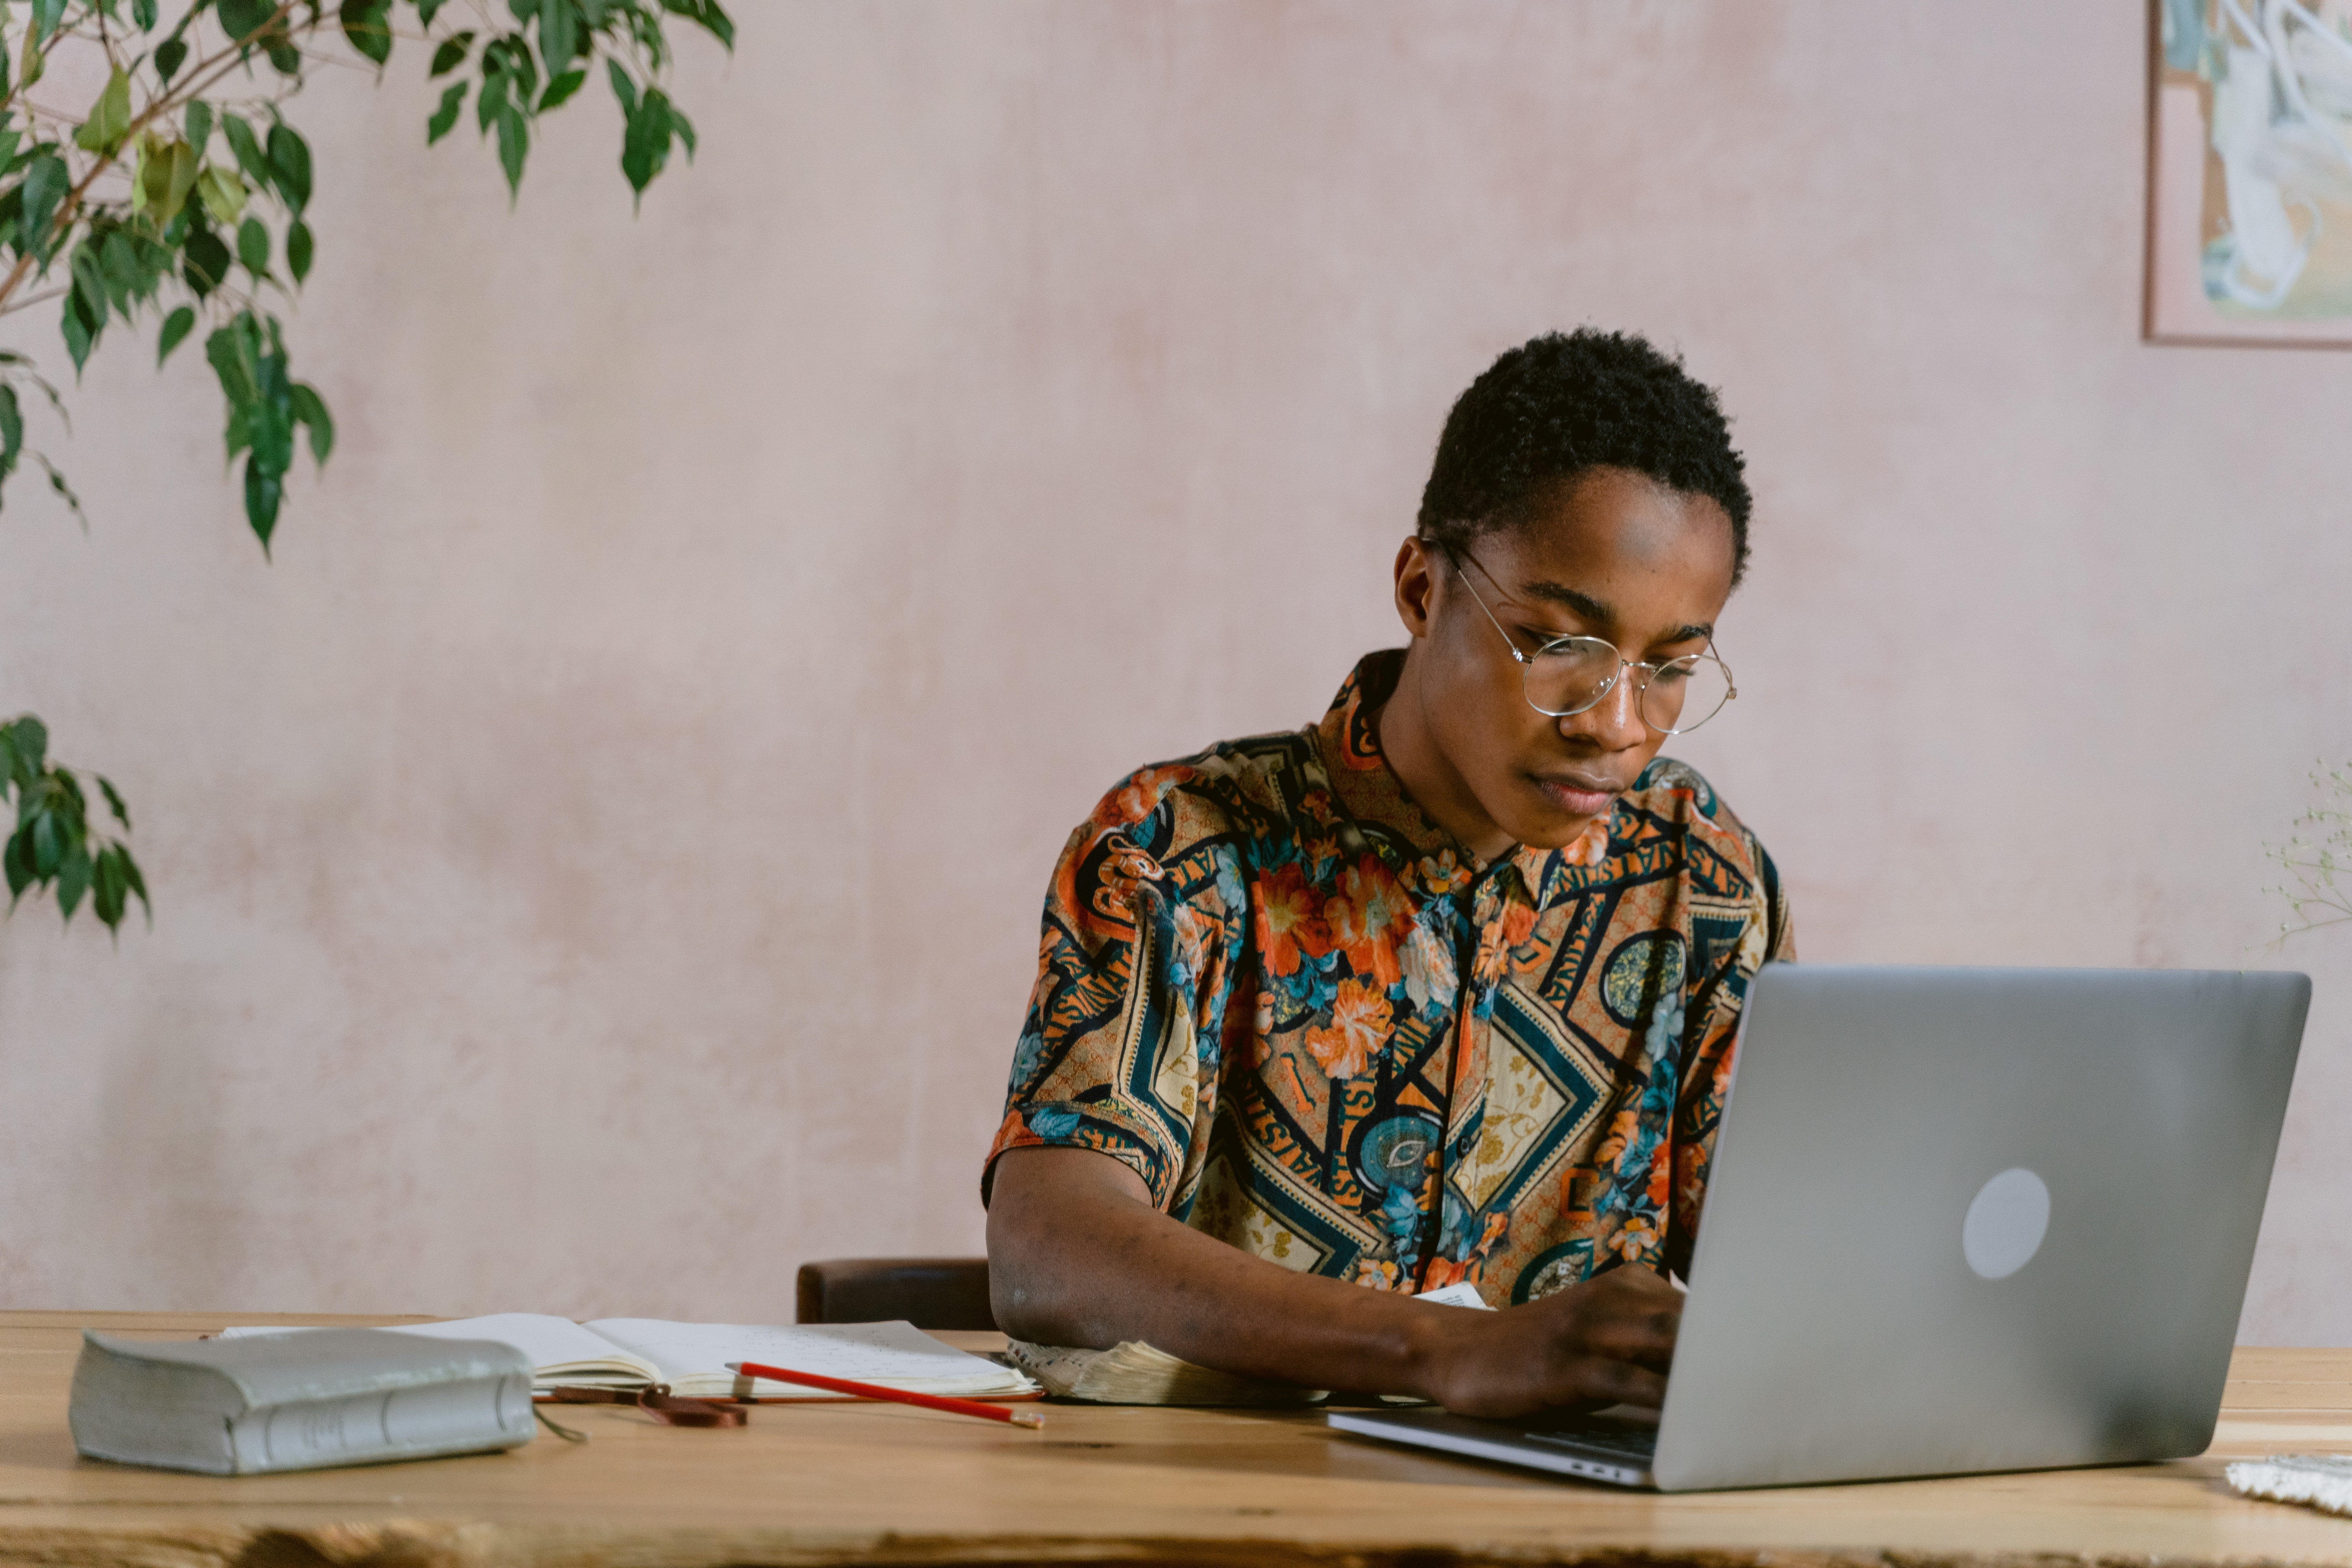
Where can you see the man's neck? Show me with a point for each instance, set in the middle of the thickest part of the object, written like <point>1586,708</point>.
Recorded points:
<point>1411,749</point>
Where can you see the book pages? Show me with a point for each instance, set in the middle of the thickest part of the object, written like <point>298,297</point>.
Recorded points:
<point>562,1354</point>
<point>1134,1372</point>
<point>692,1358</point>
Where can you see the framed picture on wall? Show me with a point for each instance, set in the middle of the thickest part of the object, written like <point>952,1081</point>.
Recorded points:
<point>2250,173</point>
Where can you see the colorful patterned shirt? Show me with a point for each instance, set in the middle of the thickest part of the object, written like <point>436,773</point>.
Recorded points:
<point>1322,1031</point>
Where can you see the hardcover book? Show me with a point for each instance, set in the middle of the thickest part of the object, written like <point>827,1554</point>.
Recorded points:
<point>296,1401</point>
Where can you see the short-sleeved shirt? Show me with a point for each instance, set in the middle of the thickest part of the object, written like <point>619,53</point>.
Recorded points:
<point>1321,1030</point>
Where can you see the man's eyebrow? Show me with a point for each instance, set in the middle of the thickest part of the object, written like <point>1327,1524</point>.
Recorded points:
<point>1599,613</point>
<point>1569,598</point>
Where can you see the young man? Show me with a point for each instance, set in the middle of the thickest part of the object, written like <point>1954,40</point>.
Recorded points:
<point>1442,989</point>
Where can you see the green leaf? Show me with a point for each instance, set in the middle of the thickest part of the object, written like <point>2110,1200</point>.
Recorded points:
<point>222,193</point>
<point>143,13</point>
<point>84,312</point>
<point>290,166</point>
<point>247,147</point>
<point>299,244</point>
<point>207,266</point>
<point>137,883</point>
<point>445,116</point>
<point>283,55</point>
<point>46,14</point>
<point>31,739</point>
<point>35,61</point>
<point>164,178</point>
<point>170,56</point>
<point>451,54</point>
<point>708,14</point>
<point>12,430</point>
<point>80,338</point>
<point>89,287</point>
<point>368,25</point>
<point>114,801</point>
<point>73,879</point>
<point>65,491</point>
<point>19,861</point>
<point>562,88</point>
<point>511,57</point>
<point>111,886</point>
<point>235,355</point>
<point>559,33</point>
<point>176,326</point>
<point>311,410</point>
<point>109,117</point>
<point>44,187</point>
<point>644,144</point>
<point>242,20</point>
<point>200,124</point>
<point>622,88</point>
<point>118,265</point>
<point>424,10</point>
<point>262,494</point>
<point>514,146</point>
<point>49,844</point>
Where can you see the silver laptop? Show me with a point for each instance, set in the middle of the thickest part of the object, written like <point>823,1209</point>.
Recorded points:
<point>1959,1220</point>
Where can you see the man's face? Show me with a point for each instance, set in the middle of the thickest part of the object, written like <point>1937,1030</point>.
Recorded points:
<point>1619,557</point>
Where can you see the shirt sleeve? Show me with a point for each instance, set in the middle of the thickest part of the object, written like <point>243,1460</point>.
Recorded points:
<point>1119,1050</point>
<point>1707,1071</point>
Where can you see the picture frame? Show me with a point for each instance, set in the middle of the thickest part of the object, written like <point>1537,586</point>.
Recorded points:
<point>2250,173</point>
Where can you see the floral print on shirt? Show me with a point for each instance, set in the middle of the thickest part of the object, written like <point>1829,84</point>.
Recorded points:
<point>1320,1030</point>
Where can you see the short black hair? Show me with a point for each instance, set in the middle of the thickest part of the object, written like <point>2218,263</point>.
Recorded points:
<point>1557,406</point>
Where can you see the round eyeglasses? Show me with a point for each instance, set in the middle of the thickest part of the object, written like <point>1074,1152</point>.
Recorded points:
<point>1570,674</point>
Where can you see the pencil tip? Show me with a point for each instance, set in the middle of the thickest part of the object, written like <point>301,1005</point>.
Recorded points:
<point>1028,1418</point>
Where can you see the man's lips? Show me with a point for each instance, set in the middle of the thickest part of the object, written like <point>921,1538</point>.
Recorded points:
<point>1578,795</point>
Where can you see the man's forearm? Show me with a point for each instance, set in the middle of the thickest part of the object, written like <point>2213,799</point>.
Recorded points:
<point>1078,1255</point>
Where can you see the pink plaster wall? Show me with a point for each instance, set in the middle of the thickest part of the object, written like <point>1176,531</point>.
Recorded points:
<point>597,864</point>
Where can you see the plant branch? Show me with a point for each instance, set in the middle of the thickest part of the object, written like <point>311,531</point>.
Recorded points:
<point>69,209</point>
<point>10,307</point>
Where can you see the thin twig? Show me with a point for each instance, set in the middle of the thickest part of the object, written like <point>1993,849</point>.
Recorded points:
<point>29,300</point>
<point>69,209</point>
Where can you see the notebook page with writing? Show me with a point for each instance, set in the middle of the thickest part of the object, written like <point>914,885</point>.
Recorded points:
<point>692,1357</point>
<point>562,1352</point>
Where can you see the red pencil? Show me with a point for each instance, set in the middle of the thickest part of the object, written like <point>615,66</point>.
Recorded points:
<point>875,1390</point>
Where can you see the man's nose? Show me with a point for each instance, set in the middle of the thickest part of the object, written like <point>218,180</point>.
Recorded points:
<point>1614,724</point>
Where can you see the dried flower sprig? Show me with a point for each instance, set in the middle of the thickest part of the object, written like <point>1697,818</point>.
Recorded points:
<point>2315,855</point>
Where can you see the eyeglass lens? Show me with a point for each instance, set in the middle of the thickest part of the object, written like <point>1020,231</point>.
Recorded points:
<point>1571,675</point>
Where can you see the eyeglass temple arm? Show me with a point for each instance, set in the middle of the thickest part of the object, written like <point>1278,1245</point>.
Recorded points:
<point>1508,640</point>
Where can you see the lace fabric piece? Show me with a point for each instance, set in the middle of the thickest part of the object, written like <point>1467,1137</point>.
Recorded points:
<point>2323,1481</point>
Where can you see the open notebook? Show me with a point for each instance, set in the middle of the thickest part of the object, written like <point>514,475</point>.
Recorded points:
<point>632,1352</point>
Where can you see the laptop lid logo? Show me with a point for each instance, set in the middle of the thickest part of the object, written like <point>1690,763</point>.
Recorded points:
<point>2006,1223</point>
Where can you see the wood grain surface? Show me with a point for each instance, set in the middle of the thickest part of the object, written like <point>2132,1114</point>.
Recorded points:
<point>884,1485</point>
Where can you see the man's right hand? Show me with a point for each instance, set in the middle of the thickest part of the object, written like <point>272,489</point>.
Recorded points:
<point>1607,1341</point>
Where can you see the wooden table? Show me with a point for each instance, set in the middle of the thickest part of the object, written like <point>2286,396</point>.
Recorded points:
<point>886,1484</point>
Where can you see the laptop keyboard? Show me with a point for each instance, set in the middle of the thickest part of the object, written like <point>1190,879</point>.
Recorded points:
<point>1639,1443</point>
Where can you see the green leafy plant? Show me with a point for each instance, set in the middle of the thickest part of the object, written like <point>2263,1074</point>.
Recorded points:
<point>51,843</point>
<point>179,198</point>
<point>2319,848</point>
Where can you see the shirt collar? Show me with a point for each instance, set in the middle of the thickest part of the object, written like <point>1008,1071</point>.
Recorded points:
<point>1367,792</point>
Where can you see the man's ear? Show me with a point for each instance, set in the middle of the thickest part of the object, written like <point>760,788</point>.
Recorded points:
<point>1417,566</point>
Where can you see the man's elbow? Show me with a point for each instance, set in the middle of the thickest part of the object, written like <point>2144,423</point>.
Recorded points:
<point>1022,1306</point>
